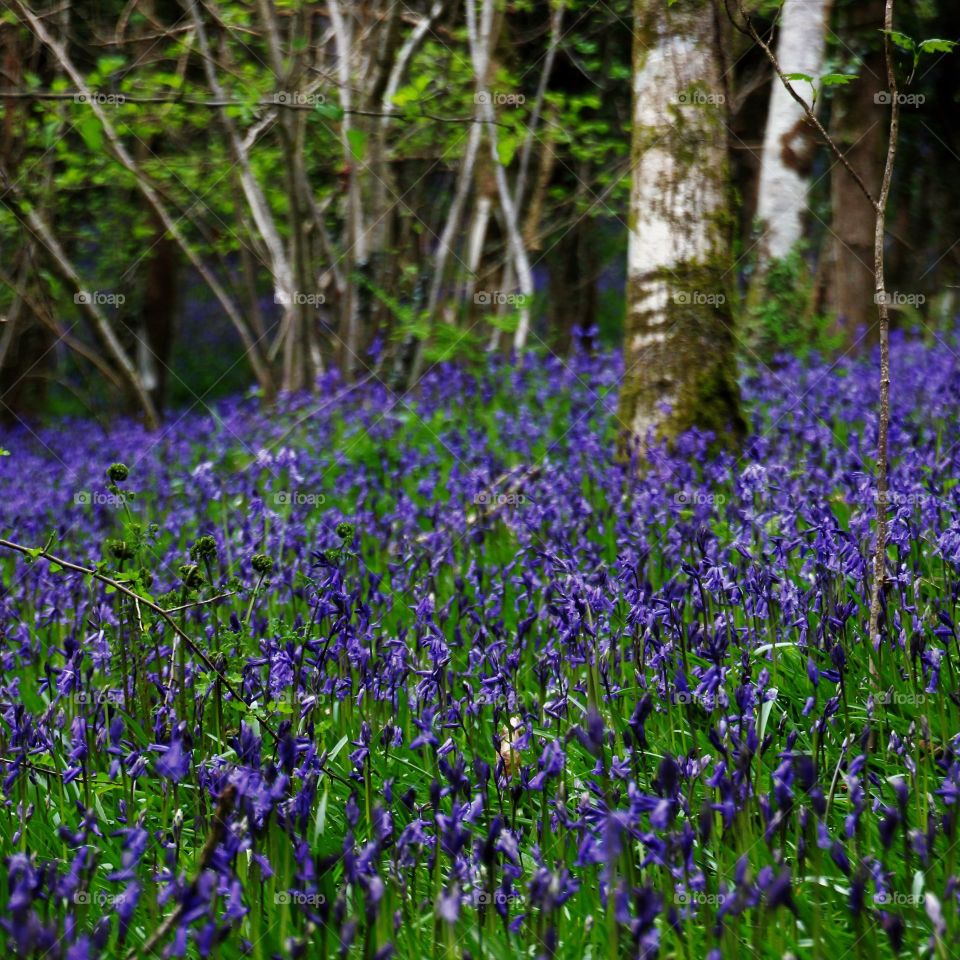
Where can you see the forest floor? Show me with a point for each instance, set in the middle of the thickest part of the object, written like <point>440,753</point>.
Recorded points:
<point>441,677</point>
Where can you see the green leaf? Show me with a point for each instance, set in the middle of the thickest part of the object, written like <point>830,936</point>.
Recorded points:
<point>358,143</point>
<point>89,128</point>
<point>107,65</point>
<point>506,148</point>
<point>50,133</point>
<point>507,323</point>
<point>126,576</point>
<point>937,46</point>
<point>765,711</point>
<point>901,40</point>
<point>413,92</point>
<point>321,819</point>
<point>837,79</point>
<point>330,111</point>
<point>798,76</point>
<point>404,96</point>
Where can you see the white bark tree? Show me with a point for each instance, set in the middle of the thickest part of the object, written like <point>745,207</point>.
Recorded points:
<point>678,349</point>
<point>788,144</point>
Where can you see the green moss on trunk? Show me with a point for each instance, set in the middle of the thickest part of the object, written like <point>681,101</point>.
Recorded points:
<point>679,343</point>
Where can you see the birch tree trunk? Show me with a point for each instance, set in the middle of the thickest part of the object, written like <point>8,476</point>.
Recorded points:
<point>680,365</point>
<point>788,143</point>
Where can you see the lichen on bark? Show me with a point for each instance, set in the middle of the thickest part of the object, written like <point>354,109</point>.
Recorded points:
<point>689,378</point>
<point>679,344</point>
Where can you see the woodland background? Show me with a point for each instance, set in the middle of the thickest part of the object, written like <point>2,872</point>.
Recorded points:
<point>198,198</point>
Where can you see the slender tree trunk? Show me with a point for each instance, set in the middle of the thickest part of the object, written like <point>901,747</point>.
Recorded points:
<point>379,187</point>
<point>153,324</point>
<point>789,143</point>
<point>480,36</point>
<point>881,298</point>
<point>298,313</point>
<point>158,317</point>
<point>355,232</point>
<point>679,347</point>
<point>284,280</point>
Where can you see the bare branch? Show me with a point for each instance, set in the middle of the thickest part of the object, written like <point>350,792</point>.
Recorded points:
<point>751,31</point>
<point>120,587</point>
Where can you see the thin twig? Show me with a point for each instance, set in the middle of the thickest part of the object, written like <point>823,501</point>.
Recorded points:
<point>50,772</point>
<point>225,103</point>
<point>201,603</point>
<point>751,31</point>
<point>880,209</point>
<point>161,611</point>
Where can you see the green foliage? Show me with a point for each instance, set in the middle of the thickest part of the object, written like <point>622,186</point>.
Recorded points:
<point>442,341</point>
<point>826,80</point>
<point>917,50</point>
<point>781,316</point>
<point>159,108</point>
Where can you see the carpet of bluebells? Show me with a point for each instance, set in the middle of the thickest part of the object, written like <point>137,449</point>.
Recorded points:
<point>463,682</point>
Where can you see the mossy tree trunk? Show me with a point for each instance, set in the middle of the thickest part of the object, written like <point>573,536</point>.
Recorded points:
<point>679,345</point>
